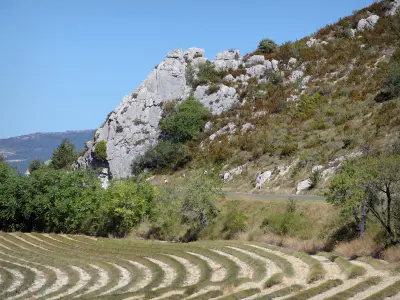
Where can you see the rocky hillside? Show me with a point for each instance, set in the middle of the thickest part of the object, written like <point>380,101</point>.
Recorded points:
<point>284,118</point>
<point>21,150</point>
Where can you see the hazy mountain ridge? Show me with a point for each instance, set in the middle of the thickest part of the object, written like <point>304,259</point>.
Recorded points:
<point>19,151</point>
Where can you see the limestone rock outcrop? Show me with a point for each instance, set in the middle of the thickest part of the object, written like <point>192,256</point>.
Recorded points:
<point>217,102</point>
<point>132,127</point>
<point>228,60</point>
<point>368,23</point>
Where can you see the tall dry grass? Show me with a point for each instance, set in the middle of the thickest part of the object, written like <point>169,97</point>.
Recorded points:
<point>310,246</point>
<point>392,254</point>
<point>363,246</point>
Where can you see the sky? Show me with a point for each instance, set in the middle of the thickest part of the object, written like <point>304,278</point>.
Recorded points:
<point>65,64</point>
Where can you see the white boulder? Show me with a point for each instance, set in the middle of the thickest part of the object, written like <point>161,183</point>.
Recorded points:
<point>303,186</point>
<point>368,23</point>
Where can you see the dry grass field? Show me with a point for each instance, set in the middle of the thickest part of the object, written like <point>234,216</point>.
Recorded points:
<point>57,266</point>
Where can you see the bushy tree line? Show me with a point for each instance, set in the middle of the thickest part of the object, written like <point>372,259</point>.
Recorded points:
<point>182,122</point>
<point>52,200</point>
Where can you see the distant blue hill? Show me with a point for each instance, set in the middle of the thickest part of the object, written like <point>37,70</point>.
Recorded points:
<point>19,151</point>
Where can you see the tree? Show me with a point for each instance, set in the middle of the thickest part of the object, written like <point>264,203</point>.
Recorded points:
<point>100,151</point>
<point>164,155</point>
<point>199,199</point>
<point>34,165</point>
<point>267,46</point>
<point>180,213</point>
<point>64,155</point>
<point>370,185</point>
<point>185,121</point>
<point>128,203</point>
<point>13,198</point>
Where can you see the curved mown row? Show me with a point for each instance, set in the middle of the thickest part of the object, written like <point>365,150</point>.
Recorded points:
<point>51,266</point>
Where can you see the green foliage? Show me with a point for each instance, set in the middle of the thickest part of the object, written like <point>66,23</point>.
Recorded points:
<point>34,165</point>
<point>315,179</point>
<point>214,88</point>
<point>234,221</point>
<point>13,196</point>
<point>164,155</point>
<point>307,106</point>
<point>373,182</point>
<point>182,122</point>
<point>63,156</point>
<point>291,205</point>
<point>267,46</point>
<point>288,223</point>
<point>100,151</point>
<point>288,149</point>
<point>207,74</point>
<point>181,212</point>
<point>127,204</point>
<point>53,200</point>
<point>185,122</point>
<point>391,82</point>
<point>349,142</point>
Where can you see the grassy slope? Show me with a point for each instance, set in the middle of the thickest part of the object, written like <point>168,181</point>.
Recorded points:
<point>336,116</point>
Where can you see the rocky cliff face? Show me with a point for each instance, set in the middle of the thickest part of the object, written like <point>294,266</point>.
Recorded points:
<point>133,126</point>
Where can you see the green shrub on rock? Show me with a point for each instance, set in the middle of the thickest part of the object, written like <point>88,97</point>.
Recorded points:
<point>267,46</point>
<point>185,121</point>
<point>100,151</point>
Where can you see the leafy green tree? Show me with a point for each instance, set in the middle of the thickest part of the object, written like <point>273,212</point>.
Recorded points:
<point>181,213</point>
<point>234,221</point>
<point>34,165</point>
<point>185,122</point>
<point>128,204</point>
<point>57,196</point>
<point>1,158</point>
<point>63,156</point>
<point>166,214</point>
<point>164,155</point>
<point>267,46</point>
<point>370,185</point>
<point>13,197</point>
<point>200,194</point>
<point>100,151</point>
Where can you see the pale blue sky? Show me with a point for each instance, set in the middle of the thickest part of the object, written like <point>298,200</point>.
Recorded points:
<point>65,64</point>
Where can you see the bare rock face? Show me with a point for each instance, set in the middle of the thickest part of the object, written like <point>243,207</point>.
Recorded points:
<point>368,23</point>
<point>132,127</point>
<point>394,8</point>
<point>218,102</point>
<point>228,60</point>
